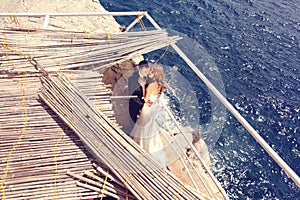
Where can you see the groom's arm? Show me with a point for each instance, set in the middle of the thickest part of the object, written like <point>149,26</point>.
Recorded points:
<point>132,84</point>
<point>135,90</point>
<point>139,97</point>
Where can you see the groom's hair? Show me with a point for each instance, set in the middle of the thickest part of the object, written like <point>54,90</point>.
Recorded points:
<point>143,64</point>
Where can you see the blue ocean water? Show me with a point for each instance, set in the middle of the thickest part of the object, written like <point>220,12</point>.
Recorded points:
<point>255,46</point>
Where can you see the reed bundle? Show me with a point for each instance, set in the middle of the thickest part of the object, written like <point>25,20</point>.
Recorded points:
<point>110,145</point>
<point>103,183</point>
<point>47,148</point>
<point>72,50</point>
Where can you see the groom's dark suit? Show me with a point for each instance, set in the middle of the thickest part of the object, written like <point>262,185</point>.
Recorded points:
<point>135,89</point>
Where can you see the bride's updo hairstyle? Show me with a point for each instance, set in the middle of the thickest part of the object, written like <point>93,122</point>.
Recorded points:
<point>158,76</point>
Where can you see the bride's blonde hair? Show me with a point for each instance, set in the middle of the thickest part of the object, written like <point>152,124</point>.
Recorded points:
<point>158,76</point>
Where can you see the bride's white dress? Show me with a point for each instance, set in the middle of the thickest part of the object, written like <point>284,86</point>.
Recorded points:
<point>146,131</point>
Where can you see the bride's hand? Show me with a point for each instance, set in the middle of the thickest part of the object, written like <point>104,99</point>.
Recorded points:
<point>148,103</point>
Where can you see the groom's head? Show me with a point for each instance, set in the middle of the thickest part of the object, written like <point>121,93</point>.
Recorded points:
<point>144,67</point>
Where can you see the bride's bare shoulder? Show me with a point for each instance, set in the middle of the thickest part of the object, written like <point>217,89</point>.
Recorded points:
<point>154,87</point>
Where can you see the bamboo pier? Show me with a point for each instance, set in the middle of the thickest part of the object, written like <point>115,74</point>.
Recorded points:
<point>59,132</point>
<point>59,135</point>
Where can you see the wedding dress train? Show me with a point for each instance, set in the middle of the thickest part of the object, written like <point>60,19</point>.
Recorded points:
<point>146,131</point>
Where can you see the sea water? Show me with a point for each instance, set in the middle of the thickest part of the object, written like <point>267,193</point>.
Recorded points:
<point>255,47</point>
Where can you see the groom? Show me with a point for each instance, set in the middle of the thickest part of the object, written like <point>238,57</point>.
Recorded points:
<point>135,83</point>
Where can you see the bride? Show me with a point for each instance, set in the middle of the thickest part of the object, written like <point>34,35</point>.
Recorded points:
<point>146,131</point>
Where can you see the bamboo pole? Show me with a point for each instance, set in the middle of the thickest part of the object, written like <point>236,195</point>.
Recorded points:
<point>121,190</point>
<point>6,14</point>
<point>107,190</point>
<point>103,193</point>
